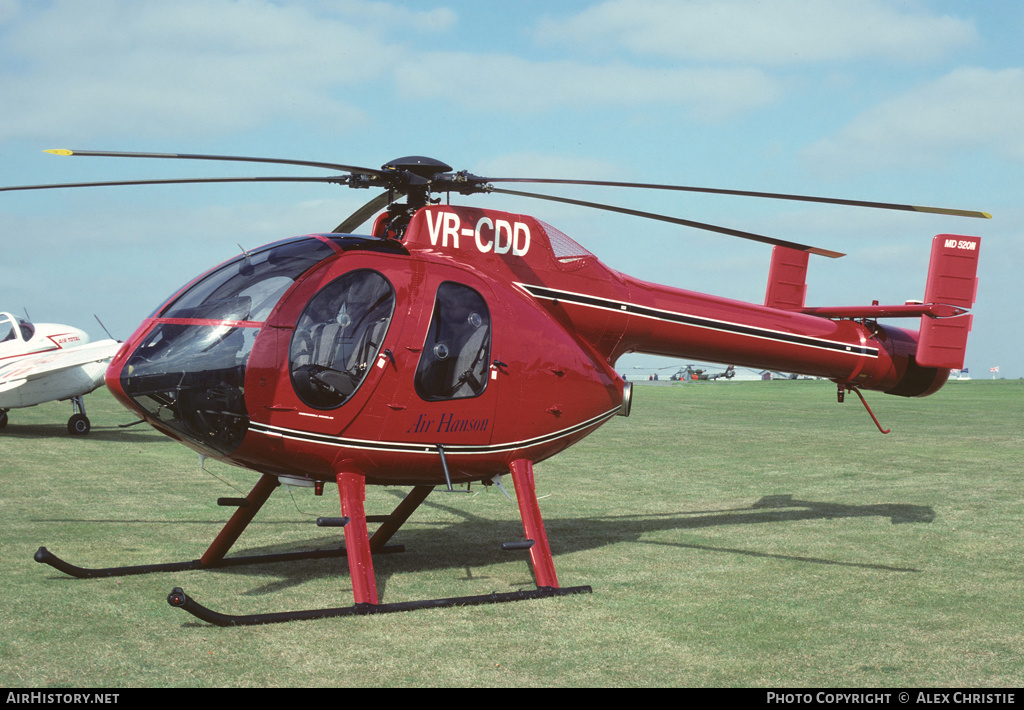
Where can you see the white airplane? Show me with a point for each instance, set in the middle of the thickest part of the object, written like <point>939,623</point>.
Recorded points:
<point>45,362</point>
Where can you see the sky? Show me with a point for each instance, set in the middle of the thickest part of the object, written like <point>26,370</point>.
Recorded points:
<point>916,101</point>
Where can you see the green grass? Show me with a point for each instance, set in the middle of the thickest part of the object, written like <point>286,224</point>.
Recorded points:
<point>735,534</point>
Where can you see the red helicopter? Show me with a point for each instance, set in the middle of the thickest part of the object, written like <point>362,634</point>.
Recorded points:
<point>454,345</point>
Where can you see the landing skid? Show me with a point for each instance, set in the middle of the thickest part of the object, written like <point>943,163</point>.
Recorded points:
<point>46,557</point>
<point>178,598</point>
<point>359,550</point>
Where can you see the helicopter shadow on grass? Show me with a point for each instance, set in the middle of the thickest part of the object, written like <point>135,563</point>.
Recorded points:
<point>778,509</point>
<point>432,546</point>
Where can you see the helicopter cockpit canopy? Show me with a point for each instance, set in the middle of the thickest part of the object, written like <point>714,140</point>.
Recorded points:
<point>189,371</point>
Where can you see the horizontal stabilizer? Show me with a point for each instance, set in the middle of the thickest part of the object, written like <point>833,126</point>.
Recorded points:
<point>907,310</point>
<point>952,281</point>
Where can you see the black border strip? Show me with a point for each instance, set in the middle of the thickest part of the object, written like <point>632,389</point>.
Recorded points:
<point>543,292</point>
<point>426,448</point>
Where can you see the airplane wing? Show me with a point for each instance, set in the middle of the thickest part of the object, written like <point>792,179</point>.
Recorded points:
<point>25,369</point>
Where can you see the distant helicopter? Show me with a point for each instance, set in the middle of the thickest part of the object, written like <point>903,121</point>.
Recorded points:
<point>454,345</point>
<point>691,373</point>
<point>767,375</point>
<point>46,362</point>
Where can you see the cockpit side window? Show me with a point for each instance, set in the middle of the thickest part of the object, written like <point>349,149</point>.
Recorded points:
<point>456,352</point>
<point>27,330</point>
<point>338,337</point>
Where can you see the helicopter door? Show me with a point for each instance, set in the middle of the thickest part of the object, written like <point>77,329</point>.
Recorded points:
<point>338,337</point>
<point>454,363</point>
<point>454,396</point>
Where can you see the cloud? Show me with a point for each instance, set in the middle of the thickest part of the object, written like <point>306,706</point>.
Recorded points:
<point>222,67</point>
<point>761,33</point>
<point>969,108</point>
<point>542,165</point>
<point>193,66</point>
<point>506,83</point>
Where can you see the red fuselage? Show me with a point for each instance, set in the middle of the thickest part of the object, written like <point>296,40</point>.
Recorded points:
<point>481,338</point>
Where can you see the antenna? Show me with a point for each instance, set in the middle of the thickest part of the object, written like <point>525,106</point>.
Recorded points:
<point>104,328</point>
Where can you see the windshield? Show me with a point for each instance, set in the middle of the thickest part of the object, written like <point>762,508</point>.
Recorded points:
<point>189,372</point>
<point>7,331</point>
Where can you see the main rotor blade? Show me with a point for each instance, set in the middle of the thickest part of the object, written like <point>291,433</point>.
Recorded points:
<point>677,220</point>
<point>172,181</point>
<point>357,218</point>
<point>747,193</point>
<point>234,158</point>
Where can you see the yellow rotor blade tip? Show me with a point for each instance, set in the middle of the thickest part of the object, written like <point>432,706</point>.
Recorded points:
<point>60,151</point>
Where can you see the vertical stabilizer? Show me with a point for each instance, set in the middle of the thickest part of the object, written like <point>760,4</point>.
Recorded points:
<point>952,281</point>
<point>787,279</point>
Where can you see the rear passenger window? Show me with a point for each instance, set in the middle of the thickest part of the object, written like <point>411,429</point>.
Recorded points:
<point>456,352</point>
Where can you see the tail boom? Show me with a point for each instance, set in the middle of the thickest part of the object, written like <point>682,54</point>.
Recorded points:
<point>844,344</point>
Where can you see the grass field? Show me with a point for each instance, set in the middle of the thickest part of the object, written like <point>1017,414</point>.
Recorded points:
<point>751,534</point>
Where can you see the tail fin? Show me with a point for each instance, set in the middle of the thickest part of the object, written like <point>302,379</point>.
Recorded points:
<point>952,281</point>
<point>787,279</point>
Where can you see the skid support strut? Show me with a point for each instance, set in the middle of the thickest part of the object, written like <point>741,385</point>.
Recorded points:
<point>533,524</point>
<point>240,519</point>
<point>352,489</point>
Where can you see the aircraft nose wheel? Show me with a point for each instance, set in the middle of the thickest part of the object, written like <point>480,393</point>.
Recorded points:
<point>78,425</point>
